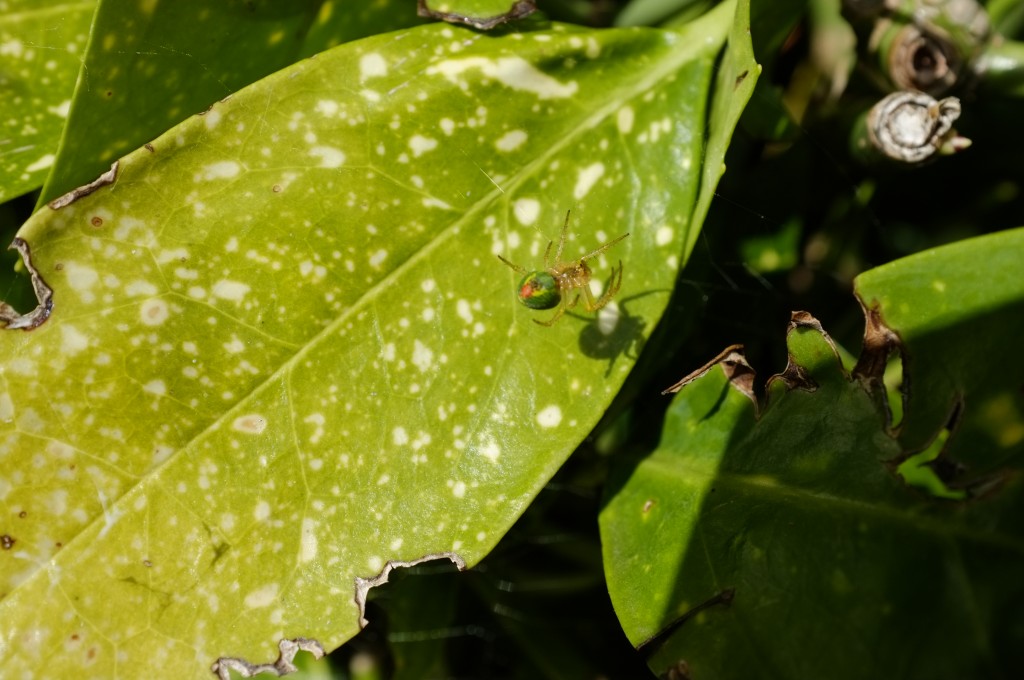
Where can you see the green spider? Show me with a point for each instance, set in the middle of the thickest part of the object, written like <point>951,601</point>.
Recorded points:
<point>551,286</point>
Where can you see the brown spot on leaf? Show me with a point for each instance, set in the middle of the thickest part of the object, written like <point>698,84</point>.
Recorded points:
<point>7,541</point>
<point>23,514</point>
<point>740,78</point>
<point>648,504</point>
<point>149,147</point>
<point>276,188</point>
<point>96,221</point>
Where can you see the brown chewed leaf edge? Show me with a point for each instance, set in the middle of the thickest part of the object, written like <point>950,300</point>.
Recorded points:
<point>363,585</point>
<point>734,362</point>
<point>44,295</point>
<point>800,514</point>
<point>283,666</point>
<point>741,374</point>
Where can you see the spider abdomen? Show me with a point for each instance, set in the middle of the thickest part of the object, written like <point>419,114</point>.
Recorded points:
<point>539,290</point>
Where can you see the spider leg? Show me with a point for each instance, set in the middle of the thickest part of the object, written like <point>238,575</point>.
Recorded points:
<point>558,315</point>
<point>614,282</point>
<point>561,239</point>
<point>516,267</point>
<point>547,252</point>
<point>603,248</point>
<point>588,300</point>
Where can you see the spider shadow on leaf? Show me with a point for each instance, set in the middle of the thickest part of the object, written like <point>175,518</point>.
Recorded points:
<point>614,332</point>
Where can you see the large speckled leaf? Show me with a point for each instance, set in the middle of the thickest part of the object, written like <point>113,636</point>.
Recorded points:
<point>150,64</point>
<point>41,43</point>
<point>282,351</point>
<point>833,566</point>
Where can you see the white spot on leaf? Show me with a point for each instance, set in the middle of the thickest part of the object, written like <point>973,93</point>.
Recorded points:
<point>41,164</point>
<point>421,145</point>
<point>464,311</point>
<point>526,210</point>
<point>511,140</point>
<point>140,287</point>
<point>308,550</point>
<point>212,118</point>
<point>252,423</point>
<point>372,65</point>
<point>422,357</point>
<point>329,156</point>
<point>608,318</point>
<point>490,451</point>
<point>663,236</point>
<point>624,119</point>
<point>586,179</point>
<point>230,290</point>
<point>262,597</point>
<point>549,416</point>
<point>218,170</point>
<point>327,107</point>
<point>513,72</point>
<point>73,340</point>
<point>157,387</point>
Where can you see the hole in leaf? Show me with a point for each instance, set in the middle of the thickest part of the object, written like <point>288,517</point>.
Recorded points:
<point>920,470</point>
<point>15,282</point>
<point>895,390</point>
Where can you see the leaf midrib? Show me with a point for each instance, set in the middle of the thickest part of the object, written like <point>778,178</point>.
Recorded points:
<point>800,497</point>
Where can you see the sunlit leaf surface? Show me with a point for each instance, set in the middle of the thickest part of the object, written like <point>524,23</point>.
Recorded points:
<point>152,64</point>
<point>41,47</point>
<point>282,350</point>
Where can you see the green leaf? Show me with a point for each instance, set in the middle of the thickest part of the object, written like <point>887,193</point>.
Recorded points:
<point>150,65</point>
<point>649,12</point>
<point>786,546</point>
<point>481,14</point>
<point>734,83</point>
<point>41,42</point>
<point>282,351</point>
<point>960,308</point>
